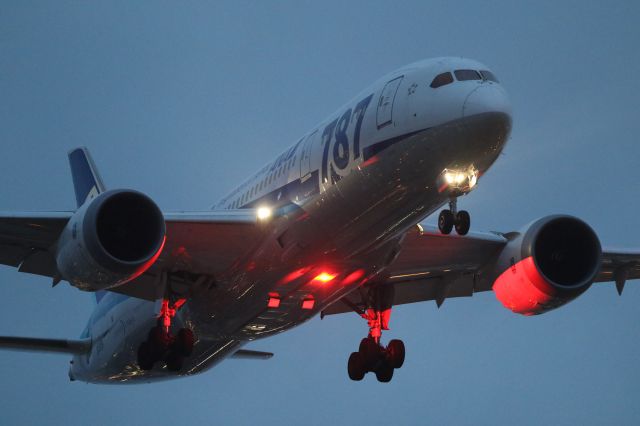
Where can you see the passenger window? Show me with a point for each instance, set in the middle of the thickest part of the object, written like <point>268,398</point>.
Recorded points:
<point>489,76</point>
<point>463,75</point>
<point>441,80</point>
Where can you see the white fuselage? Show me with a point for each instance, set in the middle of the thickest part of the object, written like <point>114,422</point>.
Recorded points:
<point>353,185</point>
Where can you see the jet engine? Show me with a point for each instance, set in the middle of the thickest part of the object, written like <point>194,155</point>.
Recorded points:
<point>110,240</point>
<point>548,264</point>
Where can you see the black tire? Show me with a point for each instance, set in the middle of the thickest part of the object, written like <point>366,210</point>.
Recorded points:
<point>384,373</point>
<point>145,356</point>
<point>395,353</point>
<point>463,222</point>
<point>185,341</point>
<point>159,337</point>
<point>445,221</point>
<point>370,352</point>
<point>174,361</point>
<point>355,367</point>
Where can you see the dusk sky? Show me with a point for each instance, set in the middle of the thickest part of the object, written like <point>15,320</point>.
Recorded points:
<point>184,100</point>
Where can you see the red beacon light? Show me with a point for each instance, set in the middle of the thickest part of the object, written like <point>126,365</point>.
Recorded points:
<point>308,303</point>
<point>274,301</point>
<point>324,277</point>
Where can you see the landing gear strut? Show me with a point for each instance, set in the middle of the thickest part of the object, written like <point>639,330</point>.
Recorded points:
<point>451,218</point>
<point>161,345</point>
<point>371,355</point>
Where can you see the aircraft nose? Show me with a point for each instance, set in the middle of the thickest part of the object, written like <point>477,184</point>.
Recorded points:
<point>487,97</point>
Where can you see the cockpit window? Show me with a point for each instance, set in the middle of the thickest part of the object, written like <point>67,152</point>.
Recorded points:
<point>463,75</point>
<point>442,79</point>
<point>489,76</point>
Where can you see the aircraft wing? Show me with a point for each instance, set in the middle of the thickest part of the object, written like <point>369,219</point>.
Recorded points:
<point>27,239</point>
<point>619,266</point>
<point>433,266</point>
<point>201,243</point>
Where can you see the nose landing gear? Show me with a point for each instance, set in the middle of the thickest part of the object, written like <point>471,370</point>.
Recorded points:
<point>161,345</point>
<point>448,219</point>
<point>372,356</point>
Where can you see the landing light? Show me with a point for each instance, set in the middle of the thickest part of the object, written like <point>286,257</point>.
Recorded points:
<point>449,177</point>
<point>264,213</point>
<point>458,181</point>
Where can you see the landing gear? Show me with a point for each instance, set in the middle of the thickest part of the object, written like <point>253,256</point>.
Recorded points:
<point>372,356</point>
<point>445,221</point>
<point>448,219</point>
<point>356,367</point>
<point>161,345</point>
<point>463,222</point>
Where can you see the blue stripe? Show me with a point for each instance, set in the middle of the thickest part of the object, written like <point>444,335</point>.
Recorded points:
<point>294,191</point>
<point>83,178</point>
<point>297,191</point>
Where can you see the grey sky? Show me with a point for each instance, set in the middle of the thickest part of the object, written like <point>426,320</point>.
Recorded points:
<point>183,101</point>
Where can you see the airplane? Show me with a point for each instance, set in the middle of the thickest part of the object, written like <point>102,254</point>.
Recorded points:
<point>331,226</point>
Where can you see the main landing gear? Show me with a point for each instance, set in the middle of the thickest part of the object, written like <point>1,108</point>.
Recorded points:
<point>161,345</point>
<point>371,355</point>
<point>451,218</point>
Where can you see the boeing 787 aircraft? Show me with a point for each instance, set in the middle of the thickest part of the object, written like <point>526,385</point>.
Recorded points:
<point>331,226</point>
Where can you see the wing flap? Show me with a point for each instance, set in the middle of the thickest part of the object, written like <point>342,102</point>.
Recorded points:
<point>425,250</point>
<point>13,254</point>
<point>433,266</point>
<point>39,262</point>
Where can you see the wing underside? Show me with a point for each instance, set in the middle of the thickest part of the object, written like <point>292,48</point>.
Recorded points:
<point>201,244</point>
<point>432,266</point>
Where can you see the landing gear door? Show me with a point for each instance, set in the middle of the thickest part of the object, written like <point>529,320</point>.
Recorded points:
<point>384,116</point>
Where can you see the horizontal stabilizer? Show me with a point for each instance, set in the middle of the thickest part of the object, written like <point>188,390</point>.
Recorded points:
<point>247,354</point>
<point>45,345</point>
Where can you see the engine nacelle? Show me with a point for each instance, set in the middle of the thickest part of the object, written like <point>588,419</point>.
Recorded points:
<point>550,263</point>
<point>110,240</point>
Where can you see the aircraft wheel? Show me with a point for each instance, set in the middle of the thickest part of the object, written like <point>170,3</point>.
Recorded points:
<point>174,361</point>
<point>445,221</point>
<point>356,367</point>
<point>184,341</point>
<point>384,373</point>
<point>159,337</point>
<point>146,356</point>
<point>370,352</point>
<point>395,351</point>
<point>463,222</point>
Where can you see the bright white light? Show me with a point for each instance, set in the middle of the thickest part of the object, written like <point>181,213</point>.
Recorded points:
<point>473,181</point>
<point>459,178</point>
<point>448,177</point>
<point>264,213</point>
